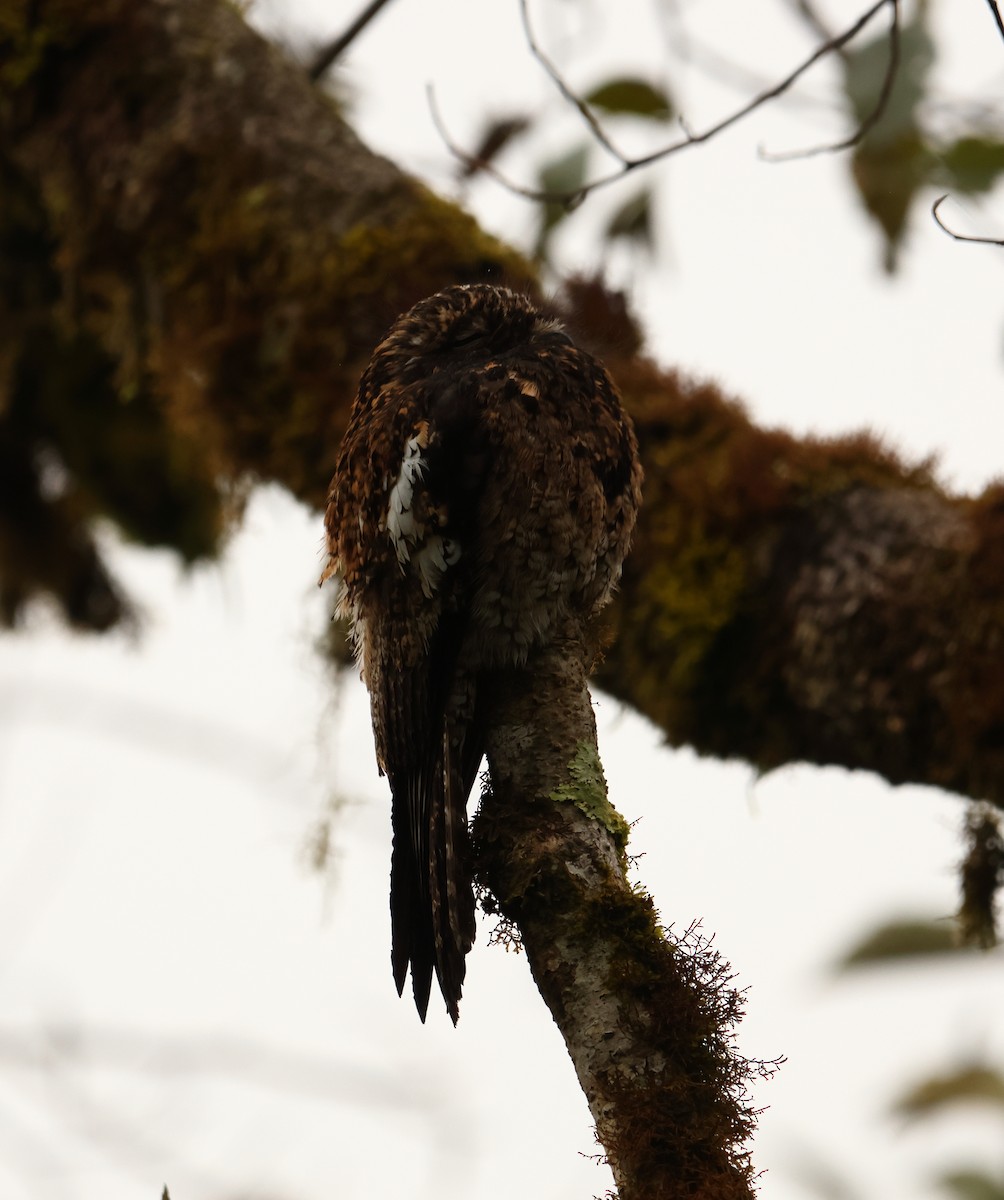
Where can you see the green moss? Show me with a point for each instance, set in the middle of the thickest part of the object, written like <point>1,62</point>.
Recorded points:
<point>282,375</point>
<point>689,592</point>
<point>436,244</point>
<point>587,790</point>
<point>630,918</point>
<point>24,50</point>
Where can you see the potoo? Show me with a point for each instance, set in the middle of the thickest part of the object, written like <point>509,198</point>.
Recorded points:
<point>484,498</point>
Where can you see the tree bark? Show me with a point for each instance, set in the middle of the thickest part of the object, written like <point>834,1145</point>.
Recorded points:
<point>647,1022</point>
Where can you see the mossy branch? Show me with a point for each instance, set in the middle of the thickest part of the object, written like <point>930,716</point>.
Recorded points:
<point>183,208</point>
<point>808,600</point>
<point>648,1019</point>
<point>198,254</point>
<point>196,257</point>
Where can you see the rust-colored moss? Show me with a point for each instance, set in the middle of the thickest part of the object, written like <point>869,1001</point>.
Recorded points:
<point>688,1133</point>
<point>719,496</point>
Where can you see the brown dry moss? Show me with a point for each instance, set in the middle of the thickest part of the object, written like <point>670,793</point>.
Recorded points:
<point>693,1127</point>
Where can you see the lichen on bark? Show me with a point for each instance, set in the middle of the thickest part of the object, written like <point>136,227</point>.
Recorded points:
<point>586,789</point>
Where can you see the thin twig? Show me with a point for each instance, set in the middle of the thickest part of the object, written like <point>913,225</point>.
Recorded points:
<point>997,16</point>
<point>870,121</point>
<point>960,237</point>
<point>334,50</point>
<point>473,163</point>
<point>689,139</point>
<point>580,105</point>
<point>806,10</point>
<point>736,75</point>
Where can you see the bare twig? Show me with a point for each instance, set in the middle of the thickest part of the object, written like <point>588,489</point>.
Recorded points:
<point>335,49</point>
<point>690,138</point>
<point>580,105</point>
<point>737,75</point>
<point>960,237</point>
<point>997,16</point>
<point>870,121</point>
<point>807,11</point>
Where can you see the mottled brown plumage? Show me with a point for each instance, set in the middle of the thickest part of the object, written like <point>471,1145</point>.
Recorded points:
<point>484,497</point>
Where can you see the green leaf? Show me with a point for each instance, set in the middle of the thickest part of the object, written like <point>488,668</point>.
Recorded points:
<point>893,159</point>
<point>901,939</point>
<point>565,174</point>
<point>632,221</point>
<point>973,164</point>
<point>865,71</point>
<point>969,1084</point>
<point>888,175</point>
<point>972,1185</point>
<point>562,176</point>
<point>633,98</point>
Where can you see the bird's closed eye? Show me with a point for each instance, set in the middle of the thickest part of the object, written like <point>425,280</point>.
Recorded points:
<point>468,338</point>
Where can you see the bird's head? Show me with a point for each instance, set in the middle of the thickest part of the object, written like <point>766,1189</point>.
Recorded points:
<point>460,326</point>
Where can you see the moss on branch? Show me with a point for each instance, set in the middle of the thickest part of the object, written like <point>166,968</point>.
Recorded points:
<point>181,207</point>
<point>198,257</point>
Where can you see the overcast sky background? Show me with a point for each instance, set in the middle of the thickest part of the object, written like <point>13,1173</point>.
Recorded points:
<point>183,1000</point>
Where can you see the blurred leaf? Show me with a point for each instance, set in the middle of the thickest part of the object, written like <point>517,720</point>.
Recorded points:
<point>901,939</point>
<point>632,97</point>
<point>888,176</point>
<point>972,1185</point>
<point>865,71</point>
<point>974,164</point>
<point>893,160</point>
<point>495,136</point>
<point>632,221</point>
<point>822,1179</point>
<point>564,175</point>
<point>976,1083</point>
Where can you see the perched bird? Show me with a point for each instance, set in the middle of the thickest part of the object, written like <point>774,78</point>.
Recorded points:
<point>485,494</point>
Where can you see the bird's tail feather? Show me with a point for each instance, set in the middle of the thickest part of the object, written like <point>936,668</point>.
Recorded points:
<point>411,935</point>
<point>432,897</point>
<point>450,887</point>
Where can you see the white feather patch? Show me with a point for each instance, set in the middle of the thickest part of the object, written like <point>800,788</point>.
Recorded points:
<point>402,526</point>
<point>430,553</point>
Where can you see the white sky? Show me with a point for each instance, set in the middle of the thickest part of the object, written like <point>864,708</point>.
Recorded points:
<point>182,1000</point>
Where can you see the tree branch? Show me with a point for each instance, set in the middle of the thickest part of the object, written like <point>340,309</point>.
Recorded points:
<point>230,275</point>
<point>809,600</point>
<point>173,283</point>
<point>329,54</point>
<point>807,11</point>
<point>597,130</point>
<point>873,118</point>
<point>649,1024</point>
<point>221,253</point>
<point>999,21</point>
<point>690,138</point>
<point>960,237</point>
